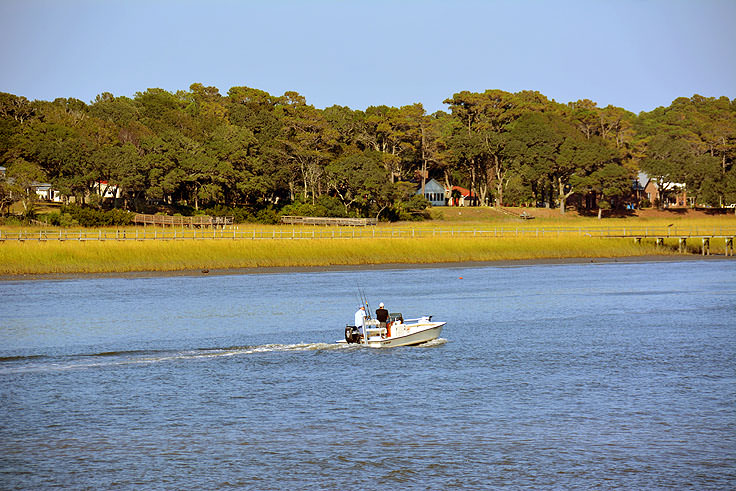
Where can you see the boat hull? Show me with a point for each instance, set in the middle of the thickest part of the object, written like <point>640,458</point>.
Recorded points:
<point>418,334</point>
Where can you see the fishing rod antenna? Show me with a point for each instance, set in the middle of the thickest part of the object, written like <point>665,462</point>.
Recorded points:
<point>364,301</point>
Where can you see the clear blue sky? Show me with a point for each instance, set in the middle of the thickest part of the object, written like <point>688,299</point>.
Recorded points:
<point>637,54</point>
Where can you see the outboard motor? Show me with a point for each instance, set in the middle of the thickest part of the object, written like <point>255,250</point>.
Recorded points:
<point>353,335</point>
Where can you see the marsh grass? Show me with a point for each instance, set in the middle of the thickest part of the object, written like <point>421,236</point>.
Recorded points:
<point>567,240</point>
<point>38,257</point>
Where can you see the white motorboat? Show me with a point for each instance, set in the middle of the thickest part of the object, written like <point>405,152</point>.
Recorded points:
<point>398,332</point>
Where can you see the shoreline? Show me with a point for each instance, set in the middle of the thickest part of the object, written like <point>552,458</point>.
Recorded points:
<point>366,267</point>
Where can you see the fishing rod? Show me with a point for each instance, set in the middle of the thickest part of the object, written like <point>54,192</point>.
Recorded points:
<point>364,300</point>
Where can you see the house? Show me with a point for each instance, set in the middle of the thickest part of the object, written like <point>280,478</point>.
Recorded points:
<point>675,193</point>
<point>107,190</point>
<point>45,192</point>
<point>460,196</point>
<point>434,192</point>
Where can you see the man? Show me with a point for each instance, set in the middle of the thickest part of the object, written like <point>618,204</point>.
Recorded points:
<point>382,315</point>
<point>360,318</point>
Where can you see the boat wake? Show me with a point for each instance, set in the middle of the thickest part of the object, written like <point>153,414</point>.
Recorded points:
<point>433,343</point>
<point>43,363</point>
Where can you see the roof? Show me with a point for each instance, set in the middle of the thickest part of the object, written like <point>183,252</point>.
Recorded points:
<point>432,186</point>
<point>667,185</point>
<point>463,192</point>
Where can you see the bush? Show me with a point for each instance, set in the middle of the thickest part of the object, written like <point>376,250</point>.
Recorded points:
<point>91,217</point>
<point>413,209</point>
<point>61,220</point>
<point>267,216</point>
<point>12,220</point>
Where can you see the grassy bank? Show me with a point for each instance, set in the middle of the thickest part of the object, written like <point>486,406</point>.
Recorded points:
<point>34,257</point>
<point>545,237</point>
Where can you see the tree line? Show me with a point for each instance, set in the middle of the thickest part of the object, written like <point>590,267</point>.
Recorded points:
<point>264,154</point>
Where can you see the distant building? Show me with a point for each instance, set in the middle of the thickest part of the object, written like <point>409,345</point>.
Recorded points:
<point>434,192</point>
<point>45,192</point>
<point>107,190</point>
<point>460,196</point>
<point>675,193</point>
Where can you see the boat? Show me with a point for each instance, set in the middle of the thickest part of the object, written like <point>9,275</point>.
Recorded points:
<point>398,332</point>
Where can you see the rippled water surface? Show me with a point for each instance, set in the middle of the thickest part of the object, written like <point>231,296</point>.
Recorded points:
<point>575,376</point>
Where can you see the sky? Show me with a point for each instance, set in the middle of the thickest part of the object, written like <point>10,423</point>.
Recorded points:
<point>635,54</point>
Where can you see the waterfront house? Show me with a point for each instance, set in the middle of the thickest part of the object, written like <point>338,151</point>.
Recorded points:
<point>434,192</point>
<point>45,192</point>
<point>675,194</point>
<point>107,190</point>
<point>460,196</point>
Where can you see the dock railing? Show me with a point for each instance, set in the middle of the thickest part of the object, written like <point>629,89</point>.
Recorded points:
<point>199,221</point>
<point>327,221</point>
<point>239,232</point>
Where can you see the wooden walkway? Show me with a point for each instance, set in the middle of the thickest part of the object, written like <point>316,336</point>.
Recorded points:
<point>326,221</point>
<point>200,221</point>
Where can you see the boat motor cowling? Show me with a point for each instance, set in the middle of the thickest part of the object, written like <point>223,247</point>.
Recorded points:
<point>352,334</point>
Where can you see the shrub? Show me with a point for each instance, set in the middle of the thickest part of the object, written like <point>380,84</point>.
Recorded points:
<point>413,209</point>
<point>11,220</point>
<point>61,220</point>
<point>91,217</point>
<point>267,216</point>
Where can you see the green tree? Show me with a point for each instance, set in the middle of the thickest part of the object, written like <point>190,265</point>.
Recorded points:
<point>665,160</point>
<point>689,129</point>
<point>487,118</point>
<point>611,182</point>
<point>307,140</point>
<point>347,177</point>
<point>23,176</point>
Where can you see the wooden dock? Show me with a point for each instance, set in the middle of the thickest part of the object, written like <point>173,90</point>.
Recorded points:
<point>326,221</point>
<point>199,221</point>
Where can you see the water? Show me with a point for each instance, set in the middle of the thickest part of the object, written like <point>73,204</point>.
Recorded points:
<point>568,376</point>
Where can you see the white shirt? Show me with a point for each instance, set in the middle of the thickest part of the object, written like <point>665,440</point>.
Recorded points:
<point>359,318</point>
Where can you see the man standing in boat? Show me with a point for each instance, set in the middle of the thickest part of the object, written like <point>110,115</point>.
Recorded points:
<point>360,319</point>
<point>382,315</point>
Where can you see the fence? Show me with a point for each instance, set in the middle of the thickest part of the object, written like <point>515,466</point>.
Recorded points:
<point>233,233</point>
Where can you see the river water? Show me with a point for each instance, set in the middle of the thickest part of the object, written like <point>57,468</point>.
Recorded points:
<point>549,376</point>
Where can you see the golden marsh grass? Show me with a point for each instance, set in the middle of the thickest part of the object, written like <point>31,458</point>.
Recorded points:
<point>40,257</point>
<point>542,238</point>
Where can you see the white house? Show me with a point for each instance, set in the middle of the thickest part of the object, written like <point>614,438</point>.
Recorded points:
<point>45,192</point>
<point>107,190</point>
